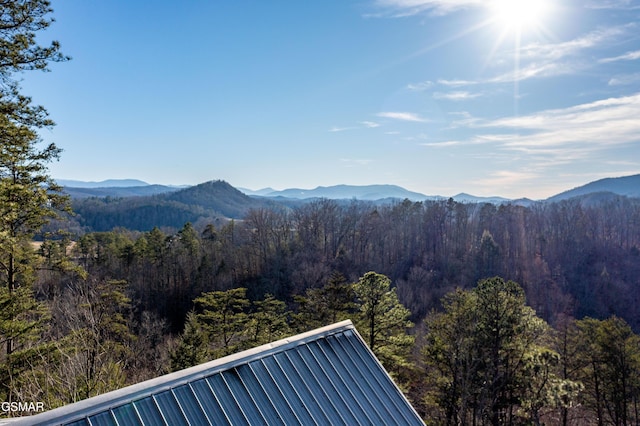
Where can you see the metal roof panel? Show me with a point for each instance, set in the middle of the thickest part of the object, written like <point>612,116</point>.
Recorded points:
<point>326,376</point>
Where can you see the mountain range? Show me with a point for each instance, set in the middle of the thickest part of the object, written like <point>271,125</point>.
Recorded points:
<point>141,207</point>
<point>628,186</point>
<point>365,193</point>
<point>110,183</point>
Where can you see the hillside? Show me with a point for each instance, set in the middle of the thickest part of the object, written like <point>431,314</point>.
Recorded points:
<point>628,186</point>
<point>216,196</point>
<point>208,202</point>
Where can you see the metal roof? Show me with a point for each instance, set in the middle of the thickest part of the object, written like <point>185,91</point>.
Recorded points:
<point>325,376</point>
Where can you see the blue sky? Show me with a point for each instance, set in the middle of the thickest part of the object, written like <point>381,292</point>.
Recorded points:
<point>437,96</point>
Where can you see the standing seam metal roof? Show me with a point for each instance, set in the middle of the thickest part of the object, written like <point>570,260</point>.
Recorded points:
<point>326,376</point>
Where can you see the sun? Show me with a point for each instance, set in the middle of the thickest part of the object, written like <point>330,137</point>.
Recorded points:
<point>518,15</point>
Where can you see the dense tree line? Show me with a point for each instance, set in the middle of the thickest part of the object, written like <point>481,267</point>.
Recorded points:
<point>575,259</point>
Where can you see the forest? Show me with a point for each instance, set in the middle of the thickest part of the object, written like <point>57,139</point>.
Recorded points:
<point>571,258</point>
<point>122,306</point>
<point>483,314</point>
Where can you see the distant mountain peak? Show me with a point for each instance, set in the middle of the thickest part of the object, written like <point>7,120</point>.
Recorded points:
<point>628,186</point>
<point>343,191</point>
<point>463,197</point>
<point>109,183</point>
<point>262,191</point>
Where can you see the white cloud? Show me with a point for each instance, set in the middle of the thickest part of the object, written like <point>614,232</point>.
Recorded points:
<point>456,83</point>
<point>610,108</point>
<point>444,144</point>
<point>370,124</point>
<point>402,116</point>
<point>543,60</point>
<point>625,163</point>
<point>403,8</point>
<point>406,8</point>
<point>629,56</point>
<point>464,119</point>
<point>419,87</point>
<point>456,96</point>
<point>336,129</point>
<point>362,124</point>
<point>554,51</point>
<point>535,70</point>
<point>576,131</point>
<point>475,140</point>
<point>625,79</point>
<point>595,133</point>
<point>612,4</point>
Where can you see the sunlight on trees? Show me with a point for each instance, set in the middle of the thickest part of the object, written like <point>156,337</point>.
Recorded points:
<point>383,321</point>
<point>486,357</point>
<point>609,360</point>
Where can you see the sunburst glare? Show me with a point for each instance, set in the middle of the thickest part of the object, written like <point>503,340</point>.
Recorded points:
<point>519,15</point>
<point>518,19</point>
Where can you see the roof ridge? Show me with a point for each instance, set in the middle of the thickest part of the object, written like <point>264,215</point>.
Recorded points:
<point>171,380</point>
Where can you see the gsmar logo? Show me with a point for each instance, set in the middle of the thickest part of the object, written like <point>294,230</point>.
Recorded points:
<point>21,407</point>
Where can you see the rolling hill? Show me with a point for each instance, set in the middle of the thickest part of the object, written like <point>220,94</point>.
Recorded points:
<point>209,201</point>
<point>216,196</point>
<point>628,186</point>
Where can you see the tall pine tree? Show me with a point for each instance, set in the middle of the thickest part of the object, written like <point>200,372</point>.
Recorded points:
<point>28,196</point>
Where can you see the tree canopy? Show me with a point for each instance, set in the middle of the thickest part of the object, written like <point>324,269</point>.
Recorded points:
<point>485,353</point>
